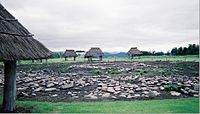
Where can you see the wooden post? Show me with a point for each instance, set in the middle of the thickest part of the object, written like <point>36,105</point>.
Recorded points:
<point>74,58</point>
<point>33,61</point>
<point>41,60</point>
<point>9,86</point>
<point>100,58</point>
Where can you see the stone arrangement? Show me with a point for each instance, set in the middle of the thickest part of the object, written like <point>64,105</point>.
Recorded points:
<point>72,86</point>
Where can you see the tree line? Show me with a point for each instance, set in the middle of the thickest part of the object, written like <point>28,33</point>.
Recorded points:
<point>192,49</point>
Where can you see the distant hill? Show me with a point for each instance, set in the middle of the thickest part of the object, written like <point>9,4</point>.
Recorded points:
<point>120,54</point>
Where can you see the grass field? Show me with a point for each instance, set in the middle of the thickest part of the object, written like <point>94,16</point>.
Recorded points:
<point>142,58</point>
<point>183,105</point>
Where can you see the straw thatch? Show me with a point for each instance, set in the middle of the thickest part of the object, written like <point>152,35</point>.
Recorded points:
<point>94,52</point>
<point>16,42</point>
<point>134,52</point>
<point>70,53</point>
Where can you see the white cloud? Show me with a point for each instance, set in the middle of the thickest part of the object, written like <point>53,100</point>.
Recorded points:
<point>113,25</point>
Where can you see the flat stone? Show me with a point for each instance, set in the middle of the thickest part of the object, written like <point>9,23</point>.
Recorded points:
<point>122,95</point>
<point>153,93</point>
<point>158,84</point>
<point>130,97</point>
<point>50,89</point>
<point>69,92</point>
<point>141,64</point>
<point>154,88</point>
<point>145,92</point>
<point>111,85</point>
<point>113,97</point>
<point>117,92</point>
<point>22,94</point>
<point>117,88</point>
<point>174,93</point>
<point>162,88</point>
<point>75,97</point>
<point>104,88</point>
<point>55,95</point>
<point>137,95</point>
<point>81,82</point>
<point>26,80</point>
<point>106,95</point>
<point>38,89</point>
<point>25,94</point>
<point>38,78</point>
<point>33,94</point>
<point>22,88</point>
<point>91,96</point>
<point>110,90</point>
<point>1,81</point>
<point>187,85</point>
<point>144,88</point>
<point>67,86</point>
<point>56,83</point>
<point>138,89</point>
<point>32,75</point>
<point>50,85</point>
<point>193,91</point>
<point>183,91</point>
<point>196,87</point>
<point>134,86</point>
<point>131,91</point>
<point>143,85</point>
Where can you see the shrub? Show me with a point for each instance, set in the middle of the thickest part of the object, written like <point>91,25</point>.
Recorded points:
<point>174,87</point>
<point>130,81</point>
<point>96,71</point>
<point>113,71</point>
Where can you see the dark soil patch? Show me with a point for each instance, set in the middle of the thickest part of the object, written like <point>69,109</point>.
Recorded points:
<point>20,110</point>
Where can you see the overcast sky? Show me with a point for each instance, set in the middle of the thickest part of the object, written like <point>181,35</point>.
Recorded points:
<point>112,25</point>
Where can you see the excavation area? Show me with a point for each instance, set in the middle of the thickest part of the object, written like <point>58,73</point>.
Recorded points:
<point>97,81</point>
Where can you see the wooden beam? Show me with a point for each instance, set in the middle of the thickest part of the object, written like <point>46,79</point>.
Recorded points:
<point>9,86</point>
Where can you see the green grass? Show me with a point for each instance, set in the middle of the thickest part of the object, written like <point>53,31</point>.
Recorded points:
<point>182,105</point>
<point>158,58</point>
<point>142,58</point>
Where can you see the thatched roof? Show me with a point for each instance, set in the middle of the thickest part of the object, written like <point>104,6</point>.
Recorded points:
<point>16,42</point>
<point>95,51</point>
<point>70,53</point>
<point>134,51</point>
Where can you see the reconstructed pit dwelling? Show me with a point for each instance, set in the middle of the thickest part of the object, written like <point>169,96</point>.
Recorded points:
<point>16,43</point>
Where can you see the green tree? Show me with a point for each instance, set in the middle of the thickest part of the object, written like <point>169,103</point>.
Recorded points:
<point>174,51</point>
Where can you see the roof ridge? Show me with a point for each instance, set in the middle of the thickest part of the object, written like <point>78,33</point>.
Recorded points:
<point>14,34</point>
<point>8,19</point>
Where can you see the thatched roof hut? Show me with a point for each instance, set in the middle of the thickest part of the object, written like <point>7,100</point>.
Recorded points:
<point>94,52</point>
<point>16,43</point>
<point>134,52</point>
<point>70,53</point>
